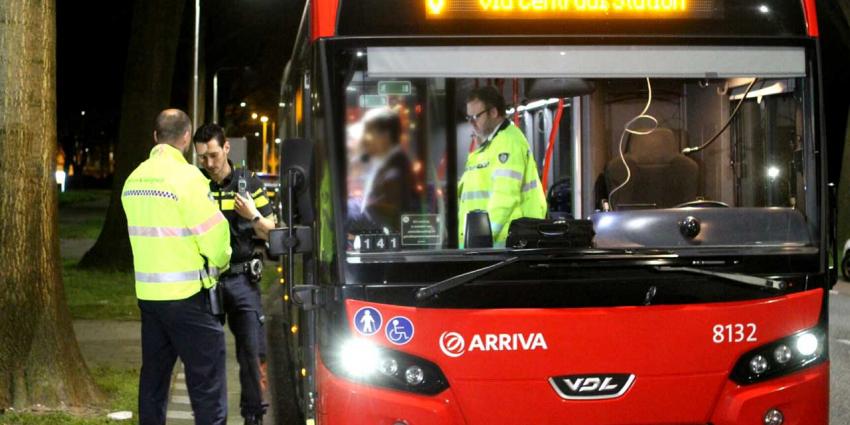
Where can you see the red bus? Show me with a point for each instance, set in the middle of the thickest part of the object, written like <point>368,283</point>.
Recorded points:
<point>689,132</point>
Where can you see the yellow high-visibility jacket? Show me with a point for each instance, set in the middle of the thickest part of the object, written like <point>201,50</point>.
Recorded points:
<point>501,178</point>
<point>180,239</point>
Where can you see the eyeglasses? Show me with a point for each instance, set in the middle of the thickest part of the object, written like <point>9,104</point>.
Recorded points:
<point>474,117</point>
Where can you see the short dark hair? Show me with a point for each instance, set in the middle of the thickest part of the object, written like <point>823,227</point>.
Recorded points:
<point>489,96</point>
<point>170,125</point>
<point>208,132</point>
<point>384,120</point>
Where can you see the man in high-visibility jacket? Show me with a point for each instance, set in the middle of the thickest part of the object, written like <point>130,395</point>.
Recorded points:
<point>501,175</point>
<point>180,242</point>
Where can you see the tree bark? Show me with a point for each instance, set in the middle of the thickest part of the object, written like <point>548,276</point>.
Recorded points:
<point>147,91</point>
<point>40,362</point>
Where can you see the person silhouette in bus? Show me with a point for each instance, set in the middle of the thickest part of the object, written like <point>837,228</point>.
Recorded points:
<point>389,186</point>
<point>500,176</point>
<point>367,323</point>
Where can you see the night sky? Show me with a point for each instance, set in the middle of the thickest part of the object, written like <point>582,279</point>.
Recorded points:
<point>92,39</point>
<point>92,49</point>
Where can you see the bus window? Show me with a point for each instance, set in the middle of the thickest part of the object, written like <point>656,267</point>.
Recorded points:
<point>601,145</point>
<point>395,164</point>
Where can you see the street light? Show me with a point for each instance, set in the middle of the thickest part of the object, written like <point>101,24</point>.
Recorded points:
<point>195,87</point>
<point>265,120</point>
<point>215,90</point>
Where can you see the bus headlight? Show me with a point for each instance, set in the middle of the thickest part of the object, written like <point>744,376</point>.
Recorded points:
<point>358,357</point>
<point>364,362</point>
<point>780,357</point>
<point>807,344</point>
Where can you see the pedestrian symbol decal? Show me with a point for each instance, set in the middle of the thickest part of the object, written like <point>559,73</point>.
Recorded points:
<point>367,321</point>
<point>399,330</point>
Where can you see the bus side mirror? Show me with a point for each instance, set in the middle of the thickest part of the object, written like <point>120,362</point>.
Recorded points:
<point>279,241</point>
<point>296,172</point>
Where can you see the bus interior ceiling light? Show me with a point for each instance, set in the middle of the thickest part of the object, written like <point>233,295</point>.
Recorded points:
<point>533,105</point>
<point>772,172</point>
<point>776,87</point>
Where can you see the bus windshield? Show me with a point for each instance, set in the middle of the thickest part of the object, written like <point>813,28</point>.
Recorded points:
<point>634,139</point>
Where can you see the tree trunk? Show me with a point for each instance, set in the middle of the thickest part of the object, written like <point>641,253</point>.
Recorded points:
<point>40,362</point>
<point>147,91</point>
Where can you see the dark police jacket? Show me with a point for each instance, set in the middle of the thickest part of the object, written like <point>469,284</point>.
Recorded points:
<point>241,231</point>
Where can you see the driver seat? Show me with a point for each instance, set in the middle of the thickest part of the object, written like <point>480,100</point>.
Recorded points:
<point>662,177</point>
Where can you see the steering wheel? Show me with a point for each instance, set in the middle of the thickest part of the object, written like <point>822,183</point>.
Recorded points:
<point>702,203</point>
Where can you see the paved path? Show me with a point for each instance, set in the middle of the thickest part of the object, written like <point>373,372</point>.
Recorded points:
<point>117,344</point>
<point>839,354</point>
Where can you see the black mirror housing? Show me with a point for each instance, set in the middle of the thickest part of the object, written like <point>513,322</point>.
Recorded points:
<point>280,242</point>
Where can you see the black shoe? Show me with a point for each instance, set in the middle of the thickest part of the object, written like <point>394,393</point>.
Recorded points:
<point>254,420</point>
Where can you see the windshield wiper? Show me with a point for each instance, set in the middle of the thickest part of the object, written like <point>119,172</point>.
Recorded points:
<point>737,277</point>
<point>455,281</point>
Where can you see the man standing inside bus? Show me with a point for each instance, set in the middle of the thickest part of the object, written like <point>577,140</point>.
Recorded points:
<point>500,175</point>
<point>242,199</point>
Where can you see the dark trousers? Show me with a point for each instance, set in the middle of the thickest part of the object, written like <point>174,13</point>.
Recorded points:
<point>184,329</point>
<point>245,316</point>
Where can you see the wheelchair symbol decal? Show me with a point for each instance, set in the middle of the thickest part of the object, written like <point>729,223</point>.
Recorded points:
<point>367,321</point>
<point>399,330</point>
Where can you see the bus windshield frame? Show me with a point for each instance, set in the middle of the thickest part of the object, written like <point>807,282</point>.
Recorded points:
<point>349,51</point>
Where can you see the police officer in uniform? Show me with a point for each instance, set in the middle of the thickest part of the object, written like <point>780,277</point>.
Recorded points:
<point>500,175</point>
<point>180,241</point>
<point>249,214</point>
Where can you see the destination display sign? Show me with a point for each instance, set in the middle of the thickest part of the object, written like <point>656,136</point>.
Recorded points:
<point>572,9</point>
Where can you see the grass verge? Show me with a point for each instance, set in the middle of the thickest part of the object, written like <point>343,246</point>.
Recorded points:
<point>85,229</point>
<point>99,295</point>
<point>120,387</point>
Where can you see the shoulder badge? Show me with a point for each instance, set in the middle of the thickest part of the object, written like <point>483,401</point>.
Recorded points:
<point>503,157</point>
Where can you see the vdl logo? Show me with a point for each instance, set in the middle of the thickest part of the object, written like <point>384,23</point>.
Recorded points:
<point>453,344</point>
<point>592,387</point>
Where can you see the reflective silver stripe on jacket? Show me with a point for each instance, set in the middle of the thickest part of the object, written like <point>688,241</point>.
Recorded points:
<point>214,273</point>
<point>507,173</point>
<point>158,232</point>
<point>530,185</point>
<point>150,192</point>
<point>168,277</point>
<point>479,194</point>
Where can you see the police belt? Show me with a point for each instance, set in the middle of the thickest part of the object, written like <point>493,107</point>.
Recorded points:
<point>239,268</point>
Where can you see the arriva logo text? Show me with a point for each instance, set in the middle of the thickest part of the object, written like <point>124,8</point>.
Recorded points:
<point>453,344</point>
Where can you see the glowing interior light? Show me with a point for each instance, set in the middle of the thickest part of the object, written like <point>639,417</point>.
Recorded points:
<point>773,172</point>
<point>807,344</point>
<point>764,9</point>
